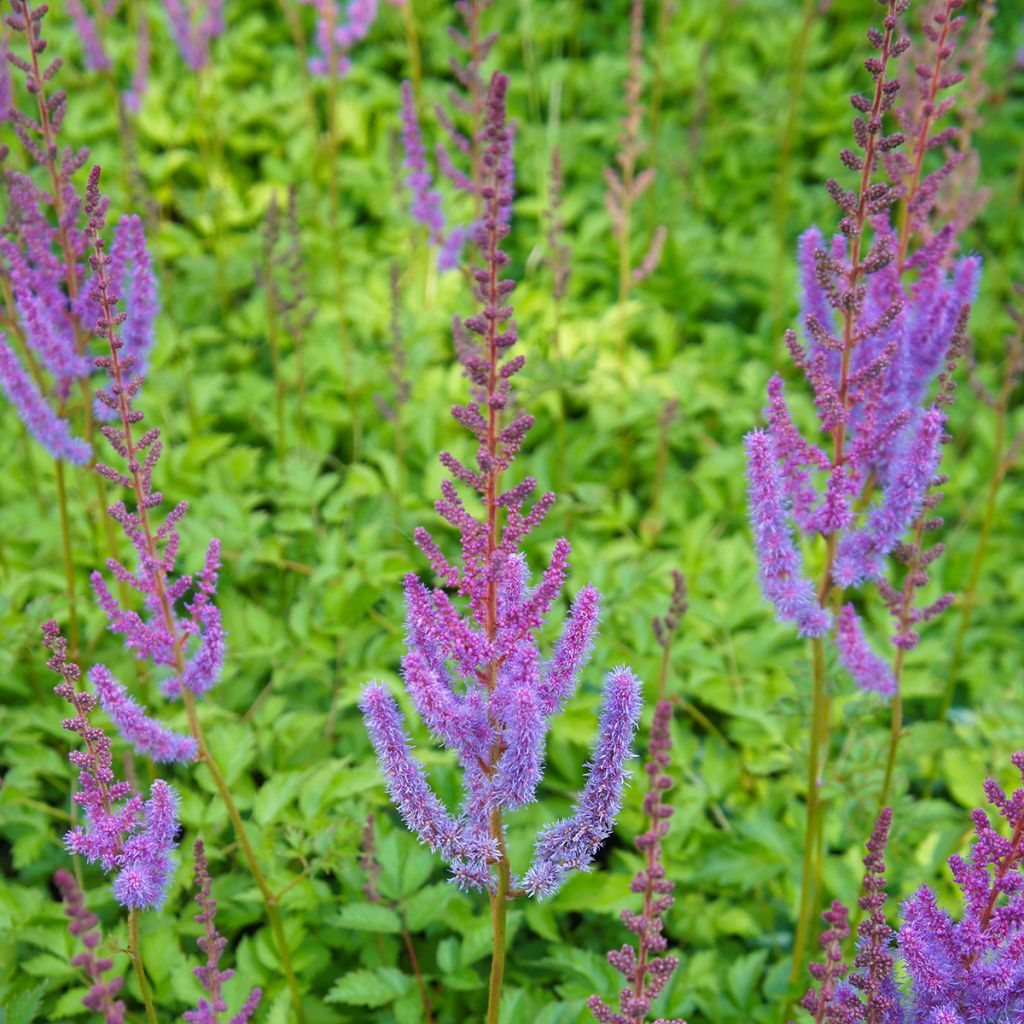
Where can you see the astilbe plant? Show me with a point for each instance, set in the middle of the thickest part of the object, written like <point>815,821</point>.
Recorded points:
<point>194,27</point>
<point>337,35</point>
<point>883,322</point>
<point>935,968</point>
<point>478,680</point>
<point>646,972</point>
<point>186,646</point>
<point>44,283</point>
<point>212,943</point>
<point>627,184</point>
<point>122,832</point>
<point>461,158</point>
<point>102,995</point>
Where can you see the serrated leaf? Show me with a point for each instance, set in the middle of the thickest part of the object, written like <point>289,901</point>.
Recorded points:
<point>369,988</point>
<point>369,917</point>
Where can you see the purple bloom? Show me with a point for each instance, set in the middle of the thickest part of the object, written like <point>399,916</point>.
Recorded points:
<point>570,844</point>
<point>147,736</point>
<point>101,995</point>
<point>868,670</point>
<point>193,35</point>
<point>140,76</point>
<point>911,473</point>
<point>122,832</point>
<point>336,38</point>
<point>132,278</point>
<point>212,943</point>
<point>478,679</point>
<point>646,974</point>
<point>52,432</point>
<point>96,58</point>
<point>426,201</point>
<point>781,567</point>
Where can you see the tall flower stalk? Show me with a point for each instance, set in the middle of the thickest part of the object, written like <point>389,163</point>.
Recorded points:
<point>883,322</point>
<point>161,634</point>
<point>478,680</point>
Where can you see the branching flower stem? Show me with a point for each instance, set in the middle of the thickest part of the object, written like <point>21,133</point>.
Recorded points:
<point>820,724</point>
<point>120,390</point>
<point>134,951</point>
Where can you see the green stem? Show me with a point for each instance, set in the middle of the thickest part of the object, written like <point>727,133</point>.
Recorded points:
<point>269,896</point>
<point>815,768</point>
<point>135,952</point>
<point>69,565</point>
<point>895,731</point>
<point>499,912</point>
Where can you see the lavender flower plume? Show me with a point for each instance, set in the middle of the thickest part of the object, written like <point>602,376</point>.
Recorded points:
<point>131,275</point>
<point>96,58</point>
<point>570,844</point>
<point>781,568</point>
<point>194,30</point>
<point>134,94</point>
<point>973,966</point>
<point>122,832</point>
<point>101,997</point>
<point>45,425</point>
<point>426,200</point>
<point>337,36</point>
<point>868,670</point>
<point>145,734</point>
<point>212,943</point>
<point>883,316</point>
<point>478,679</point>
<point>646,974</point>
<point>190,644</point>
<point>937,969</point>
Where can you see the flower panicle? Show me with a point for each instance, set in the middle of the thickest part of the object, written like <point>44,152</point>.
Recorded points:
<point>84,926</point>
<point>478,679</point>
<point>646,971</point>
<point>212,944</point>
<point>159,632</point>
<point>883,318</point>
<point>122,832</point>
<point>337,35</point>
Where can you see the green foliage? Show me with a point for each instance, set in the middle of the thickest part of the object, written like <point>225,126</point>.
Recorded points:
<point>316,523</point>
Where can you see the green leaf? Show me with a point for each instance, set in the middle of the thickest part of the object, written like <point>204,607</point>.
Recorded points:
<point>369,917</point>
<point>369,988</point>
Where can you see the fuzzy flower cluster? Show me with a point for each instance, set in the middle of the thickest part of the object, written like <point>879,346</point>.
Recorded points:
<point>478,680</point>
<point>936,969</point>
<point>194,27</point>
<point>122,832</point>
<point>102,995</point>
<point>51,317</point>
<point>460,159</point>
<point>646,972</point>
<point>212,943</point>
<point>883,329</point>
<point>338,35</point>
<point>161,633</point>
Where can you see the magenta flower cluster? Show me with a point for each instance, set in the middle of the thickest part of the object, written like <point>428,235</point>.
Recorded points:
<point>122,832</point>
<point>479,680</point>
<point>935,969</point>
<point>882,326</point>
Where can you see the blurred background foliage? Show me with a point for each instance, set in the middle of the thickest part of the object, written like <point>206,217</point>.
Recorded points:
<point>316,505</point>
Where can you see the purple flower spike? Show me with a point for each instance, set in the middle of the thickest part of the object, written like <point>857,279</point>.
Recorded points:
<point>101,996</point>
<point>212,943</point>
<point>337,37</point>
<point>96,58</point>
<point>474,668</point>
<point>404,777</point>
<point>131,272</point>
<point>868,670</point>
<point>861,552</point>
<point>52,432</point>
<point>194,35</point>
<point>572,843</point>
<point>121,832</point>
<point>781,568</point>
<point>426,200</point>
<point>146,735</point>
